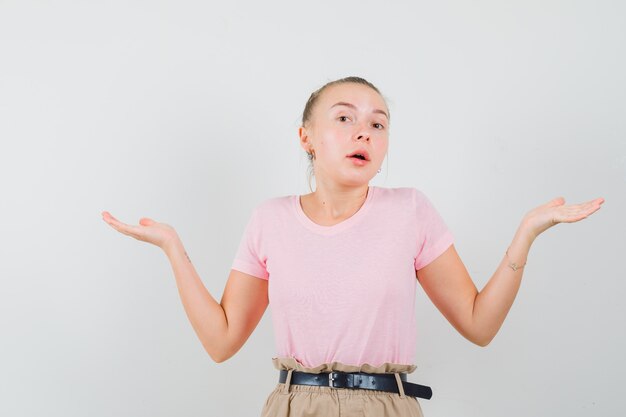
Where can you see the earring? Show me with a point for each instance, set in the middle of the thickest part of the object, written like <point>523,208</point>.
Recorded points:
<point>378,170</point>
<point>311,154</point>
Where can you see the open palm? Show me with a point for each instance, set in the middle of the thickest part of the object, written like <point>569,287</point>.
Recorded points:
<point>556,211</point>
<point>159,234</point>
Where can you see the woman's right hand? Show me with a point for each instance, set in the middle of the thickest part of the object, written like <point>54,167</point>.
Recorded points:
<point>159,234</point>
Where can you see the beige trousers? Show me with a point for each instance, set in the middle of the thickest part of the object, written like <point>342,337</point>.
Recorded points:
<point>289,400</point>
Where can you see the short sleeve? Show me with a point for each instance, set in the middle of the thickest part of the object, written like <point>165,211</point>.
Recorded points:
<point>433,236</point>
<point>249,258</point>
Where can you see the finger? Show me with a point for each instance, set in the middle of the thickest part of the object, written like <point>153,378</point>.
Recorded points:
<point>112,221</point>
<point>108,216</point>
<point>124,228</point>
<point>559,201</point>
<point>575,213</point>
<point>119,226</point>
<point>145,221</point>
<point>589,206</point>
<point>597,201</point>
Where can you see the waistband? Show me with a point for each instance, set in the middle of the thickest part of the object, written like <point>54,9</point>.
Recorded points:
<point>395,382</point>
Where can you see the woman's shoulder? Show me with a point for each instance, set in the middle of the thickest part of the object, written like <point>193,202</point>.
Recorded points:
<point>411,197</point>
<point>273,205</point>
<point>397,193</point>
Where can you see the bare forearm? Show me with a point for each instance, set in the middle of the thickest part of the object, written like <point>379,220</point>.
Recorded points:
<point>479,315</point>
<point>206,315</point>
<point>494,301</point>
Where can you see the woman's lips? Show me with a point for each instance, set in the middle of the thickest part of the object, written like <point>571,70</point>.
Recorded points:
<point>357,161</point>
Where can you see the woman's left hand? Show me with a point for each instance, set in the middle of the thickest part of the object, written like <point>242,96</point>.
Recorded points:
<point>540,219</point>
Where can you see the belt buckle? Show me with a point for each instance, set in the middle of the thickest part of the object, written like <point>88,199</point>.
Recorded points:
<point>346,380</point>
<point>331,379</point>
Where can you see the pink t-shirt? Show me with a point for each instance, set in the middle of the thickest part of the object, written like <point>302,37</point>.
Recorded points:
<point>344,293</point>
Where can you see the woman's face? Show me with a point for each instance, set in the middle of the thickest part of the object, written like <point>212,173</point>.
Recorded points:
<point>347,119</point>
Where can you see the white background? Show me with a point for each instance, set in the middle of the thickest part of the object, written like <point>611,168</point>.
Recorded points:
<point>187,112</point>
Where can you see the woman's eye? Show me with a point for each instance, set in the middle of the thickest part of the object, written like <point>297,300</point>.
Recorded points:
<point>343,118</point>
<point>378,126</point>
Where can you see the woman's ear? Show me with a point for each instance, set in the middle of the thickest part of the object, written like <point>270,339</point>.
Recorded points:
<point>304,139</point>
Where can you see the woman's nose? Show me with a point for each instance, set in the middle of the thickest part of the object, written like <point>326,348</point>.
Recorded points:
<point>362,132</point>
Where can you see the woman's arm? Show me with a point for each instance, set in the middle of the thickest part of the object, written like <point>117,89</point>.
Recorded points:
<point>479,315</point>
<point>221,327</point>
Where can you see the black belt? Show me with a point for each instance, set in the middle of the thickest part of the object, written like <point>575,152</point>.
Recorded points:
<point>360,380</point>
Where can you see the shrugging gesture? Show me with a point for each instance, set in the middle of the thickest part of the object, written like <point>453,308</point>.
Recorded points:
<point>479,315</point>
<point>222,327</point>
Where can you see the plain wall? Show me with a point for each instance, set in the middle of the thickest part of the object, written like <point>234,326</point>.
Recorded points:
<point>187,112</point>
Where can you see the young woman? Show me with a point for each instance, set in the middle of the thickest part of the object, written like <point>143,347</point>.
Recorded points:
<point>340,267</point>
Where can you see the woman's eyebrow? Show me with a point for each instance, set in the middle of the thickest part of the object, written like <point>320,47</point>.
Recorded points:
<point>352,106</point>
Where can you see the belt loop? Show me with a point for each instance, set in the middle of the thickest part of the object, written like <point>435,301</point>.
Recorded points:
<point>287,382</point>
<point>400,386</point>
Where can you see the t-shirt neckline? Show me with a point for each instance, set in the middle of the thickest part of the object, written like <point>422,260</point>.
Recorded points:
<point>336,228</point>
